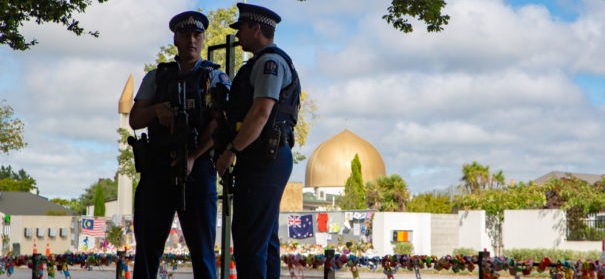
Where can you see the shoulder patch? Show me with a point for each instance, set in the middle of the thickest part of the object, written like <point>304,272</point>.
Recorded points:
<point>270,68</point>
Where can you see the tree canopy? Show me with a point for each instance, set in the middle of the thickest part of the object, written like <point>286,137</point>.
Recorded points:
<point>438,203</point>
<point>126,156</point>
<point>354,197</point>
<point>388,193</point>
<point>11,181</point>
<point>477,177</point>
<point>74,205</point>
<point>11,129</point>
<point>110,191</point>
<point>99,210</point>
<point>428,11</point>
<point>15,13</point>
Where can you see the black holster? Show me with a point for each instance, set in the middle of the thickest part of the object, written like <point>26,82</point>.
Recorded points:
<point>277,135</point>
<point>140,150</point>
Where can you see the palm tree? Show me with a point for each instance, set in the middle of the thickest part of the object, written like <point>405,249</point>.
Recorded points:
<point>476,177</point>
<point>498,180</point>
<point>395,194</point>
<point>374,196</point>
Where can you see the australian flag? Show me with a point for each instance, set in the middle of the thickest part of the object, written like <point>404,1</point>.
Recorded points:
<point>300,226</point>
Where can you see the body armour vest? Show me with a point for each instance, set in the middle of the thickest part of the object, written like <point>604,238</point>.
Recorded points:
<point>285,111</point>
<point>196,85</point>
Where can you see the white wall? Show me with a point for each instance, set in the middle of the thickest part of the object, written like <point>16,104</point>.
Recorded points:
<point>472,232</point>
<point>543,228</point>
<point>386,222</point>
<point>533,229</point>
<point>111,209</point>
<point>444,238</point>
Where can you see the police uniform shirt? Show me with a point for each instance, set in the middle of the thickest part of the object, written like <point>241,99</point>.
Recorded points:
<point>270,74</point>
<point>148,86</point>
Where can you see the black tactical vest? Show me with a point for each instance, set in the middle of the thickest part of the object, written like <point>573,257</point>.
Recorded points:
<point>197,84</point>
<point>242,95</point>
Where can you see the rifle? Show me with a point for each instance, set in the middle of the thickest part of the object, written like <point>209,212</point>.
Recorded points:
<point>224,133</point>
<point>185,138</point>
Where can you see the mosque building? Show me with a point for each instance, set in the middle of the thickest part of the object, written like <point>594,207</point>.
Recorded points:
<point>329,166</point>
<point>328,169</point>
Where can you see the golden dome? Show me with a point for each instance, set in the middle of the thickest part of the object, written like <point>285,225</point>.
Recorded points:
<point>330,163</point>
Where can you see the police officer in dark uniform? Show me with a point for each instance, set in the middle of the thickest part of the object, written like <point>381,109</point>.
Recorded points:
<point>172,95</point>
<point>262,109</point>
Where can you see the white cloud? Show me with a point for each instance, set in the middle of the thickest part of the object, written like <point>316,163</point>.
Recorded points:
<point>496,86</point>
<point>129,30</point>
<point>68,88</point>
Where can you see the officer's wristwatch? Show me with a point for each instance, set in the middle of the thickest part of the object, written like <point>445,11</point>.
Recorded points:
<point>232,149</point>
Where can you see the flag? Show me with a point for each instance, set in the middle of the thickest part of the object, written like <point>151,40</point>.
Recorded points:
<point>300,226</point>
<point>93,227</point>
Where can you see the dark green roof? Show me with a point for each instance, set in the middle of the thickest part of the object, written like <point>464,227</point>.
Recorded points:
<point>25,203</point>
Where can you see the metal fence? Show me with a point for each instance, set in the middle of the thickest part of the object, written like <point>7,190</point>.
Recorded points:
<point>591,229</point>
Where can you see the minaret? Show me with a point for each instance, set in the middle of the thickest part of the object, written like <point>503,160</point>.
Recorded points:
<point>124,181</point>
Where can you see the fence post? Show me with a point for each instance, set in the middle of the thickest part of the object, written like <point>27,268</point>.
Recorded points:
<point>329,272</point>
<point>119,267</point>
<point>35,265</point>
<point>482,255</point>
<point>602,257</point>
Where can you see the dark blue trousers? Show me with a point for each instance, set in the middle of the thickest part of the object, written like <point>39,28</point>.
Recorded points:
<point>156,201</point>
<point>259,185</point>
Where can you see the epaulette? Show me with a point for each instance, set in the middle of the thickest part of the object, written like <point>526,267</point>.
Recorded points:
<point>209,65</point>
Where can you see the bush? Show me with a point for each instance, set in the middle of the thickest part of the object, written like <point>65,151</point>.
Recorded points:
<point>539,254</point>
<point>403,248</point>
<point>465,252</point>
<point>56,213</point>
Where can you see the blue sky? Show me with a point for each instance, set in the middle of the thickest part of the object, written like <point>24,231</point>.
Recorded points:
<point>515,85</point>
<point>566,10</point>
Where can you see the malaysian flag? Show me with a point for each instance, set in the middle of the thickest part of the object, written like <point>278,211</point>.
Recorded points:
<point>93,227</point>
<point>300,226</point>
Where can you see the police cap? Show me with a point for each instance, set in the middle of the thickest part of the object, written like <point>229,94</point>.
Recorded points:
<point>249,12</point>
<point>190,21</point>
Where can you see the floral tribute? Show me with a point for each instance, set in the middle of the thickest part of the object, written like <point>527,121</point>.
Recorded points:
<point>491,267</point>
<point>86,261</point>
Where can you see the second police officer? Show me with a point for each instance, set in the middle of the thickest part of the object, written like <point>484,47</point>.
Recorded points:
<point>173,88</point>
<point>262,109</point>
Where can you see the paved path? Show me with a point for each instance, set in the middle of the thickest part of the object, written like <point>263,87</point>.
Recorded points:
<point>185,273</point>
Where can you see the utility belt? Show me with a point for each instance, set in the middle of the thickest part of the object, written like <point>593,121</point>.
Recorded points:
<point>270,140</point>
<point>147,152</point>
<point>160,152</point>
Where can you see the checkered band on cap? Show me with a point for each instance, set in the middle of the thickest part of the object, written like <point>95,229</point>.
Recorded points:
<point>258,18</point>
<point>189,24</point>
